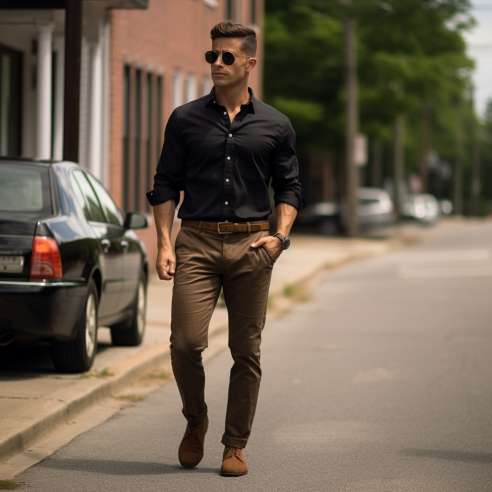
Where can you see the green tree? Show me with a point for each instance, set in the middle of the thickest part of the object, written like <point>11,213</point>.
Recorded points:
<point>412,62</point>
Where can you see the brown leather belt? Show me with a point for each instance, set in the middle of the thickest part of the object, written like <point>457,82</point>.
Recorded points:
<point>227,227</point>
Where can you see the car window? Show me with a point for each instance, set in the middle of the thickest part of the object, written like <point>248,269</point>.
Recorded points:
<point>86,197</point>
<point>110,209</point>
<point>24,189</point>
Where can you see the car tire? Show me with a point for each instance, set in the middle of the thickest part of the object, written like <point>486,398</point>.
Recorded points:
<point>77,355</point>
<point>130,332</point>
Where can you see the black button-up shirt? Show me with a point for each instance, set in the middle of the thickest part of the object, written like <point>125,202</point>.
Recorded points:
<point>225,168</point>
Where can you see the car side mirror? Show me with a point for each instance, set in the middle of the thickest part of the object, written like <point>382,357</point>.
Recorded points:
<point>135,221</point>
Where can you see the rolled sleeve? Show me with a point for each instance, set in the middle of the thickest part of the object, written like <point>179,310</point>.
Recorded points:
<point>285,171</point>
<point>169,177</point>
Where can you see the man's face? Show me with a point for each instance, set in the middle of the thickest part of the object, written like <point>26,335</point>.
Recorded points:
<point>227,75</point>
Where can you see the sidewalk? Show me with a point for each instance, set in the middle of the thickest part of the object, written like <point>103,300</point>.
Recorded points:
<point>33,403</point>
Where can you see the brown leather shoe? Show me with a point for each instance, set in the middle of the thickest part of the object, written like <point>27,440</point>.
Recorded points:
<point>190,451</point>
<point>234,462</point>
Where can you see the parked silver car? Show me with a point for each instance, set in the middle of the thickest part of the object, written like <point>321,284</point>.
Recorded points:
<point>375,209</point>
<point>422,207</point>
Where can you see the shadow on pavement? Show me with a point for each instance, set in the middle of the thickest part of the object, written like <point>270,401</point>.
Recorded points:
<point>24,361</point>
<point>115,467</point>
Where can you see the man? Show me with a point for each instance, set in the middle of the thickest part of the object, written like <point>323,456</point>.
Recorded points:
<point>223,150</point>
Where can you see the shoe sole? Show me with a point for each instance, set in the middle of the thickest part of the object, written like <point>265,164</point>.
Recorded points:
<point>226,474</point>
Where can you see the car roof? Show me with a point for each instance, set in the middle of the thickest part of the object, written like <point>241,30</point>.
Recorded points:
<point>28,160</point>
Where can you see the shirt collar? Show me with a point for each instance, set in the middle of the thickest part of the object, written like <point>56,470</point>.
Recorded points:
<point>210,100</point>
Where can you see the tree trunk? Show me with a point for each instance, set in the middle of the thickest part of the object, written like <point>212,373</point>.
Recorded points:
<point>398,164</point>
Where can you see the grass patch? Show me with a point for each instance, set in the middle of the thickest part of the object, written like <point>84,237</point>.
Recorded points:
<point>129,397</point>
<point>103,373</point>
<point>158,375</point>
<point>296,292</point>
<point>9,485</point>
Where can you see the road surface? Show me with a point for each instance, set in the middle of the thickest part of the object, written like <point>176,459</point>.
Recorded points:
<point>381,382</point>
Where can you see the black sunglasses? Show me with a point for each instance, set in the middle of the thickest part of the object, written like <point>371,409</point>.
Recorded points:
<point>213,55</point>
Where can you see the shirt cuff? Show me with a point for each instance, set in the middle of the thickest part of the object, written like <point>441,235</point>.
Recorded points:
<point>290,198</point>
<point>157,197</point>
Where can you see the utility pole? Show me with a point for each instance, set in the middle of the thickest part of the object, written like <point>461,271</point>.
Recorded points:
<point>351,123</point>
<point>476,184</point>
<point>458,174</point>
<point>377,161</point>
<point>398,164</point>
<point>425,127</point>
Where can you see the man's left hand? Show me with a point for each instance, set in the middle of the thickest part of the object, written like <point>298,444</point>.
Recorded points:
<point>271,243</point>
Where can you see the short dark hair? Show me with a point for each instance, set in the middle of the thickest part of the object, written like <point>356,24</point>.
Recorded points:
<point>231,30</point>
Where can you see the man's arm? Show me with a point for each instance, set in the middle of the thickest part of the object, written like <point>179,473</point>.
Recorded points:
<point>164,197</point>
<point>287,188</point>
<point>286,215</point>
<point>166,260</point>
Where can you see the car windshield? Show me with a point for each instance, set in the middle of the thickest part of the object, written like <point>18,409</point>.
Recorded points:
<point>368,201</point>
<point>24,190</point>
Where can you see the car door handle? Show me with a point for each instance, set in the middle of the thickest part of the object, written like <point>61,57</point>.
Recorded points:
<point>124,245</point>
<point>105,243</point>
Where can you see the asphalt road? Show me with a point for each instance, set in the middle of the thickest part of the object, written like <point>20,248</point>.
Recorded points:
<point>382,382</point>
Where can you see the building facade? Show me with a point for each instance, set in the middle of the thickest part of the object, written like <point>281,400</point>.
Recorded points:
<point>139,59</point>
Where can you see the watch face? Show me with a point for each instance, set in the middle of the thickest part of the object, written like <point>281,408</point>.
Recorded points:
<point>286,243</point>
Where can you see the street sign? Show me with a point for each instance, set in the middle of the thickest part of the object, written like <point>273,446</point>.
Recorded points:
<point>360,150</point>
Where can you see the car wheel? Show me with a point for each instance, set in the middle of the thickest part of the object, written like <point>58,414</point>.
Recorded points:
<point>77,355</point>
<point>130,332</point>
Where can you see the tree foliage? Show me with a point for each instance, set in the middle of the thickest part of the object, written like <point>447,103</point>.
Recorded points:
<point>412,58</point>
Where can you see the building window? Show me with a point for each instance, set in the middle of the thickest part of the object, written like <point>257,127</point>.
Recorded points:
<point>190,88</point>
<point>230,13</point>
<point>207,85</point>
<point>149,134</point>
<point>126,136</point>
<point>138,141</point>
<point>158,116</point>
<point>177,89</point>
<point>142,129</point>
<point>11,62</point>
<point>253,12</point>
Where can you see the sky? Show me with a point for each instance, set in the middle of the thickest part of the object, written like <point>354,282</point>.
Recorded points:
<point>480,49</point>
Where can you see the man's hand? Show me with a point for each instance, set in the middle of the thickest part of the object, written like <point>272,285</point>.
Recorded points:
<point>166,263</point>
<point>271,243</point>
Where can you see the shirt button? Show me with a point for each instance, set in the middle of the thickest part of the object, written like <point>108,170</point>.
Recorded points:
<point>225,113</point>
<point>227,180</point>
<point>230,135</point>
<point>226,203</point>
<point>228,157</point>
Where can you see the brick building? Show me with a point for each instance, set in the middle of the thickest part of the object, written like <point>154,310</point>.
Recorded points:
<point>138,60</point>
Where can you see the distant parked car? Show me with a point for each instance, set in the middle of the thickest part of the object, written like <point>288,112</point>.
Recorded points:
<point>69,262</point>
<point>375,209</point>
<point>445,207</point>
<point>422,207</point>
<point>322,217</point>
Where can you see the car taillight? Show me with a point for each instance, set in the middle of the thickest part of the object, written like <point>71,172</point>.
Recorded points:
<point>46,260</point>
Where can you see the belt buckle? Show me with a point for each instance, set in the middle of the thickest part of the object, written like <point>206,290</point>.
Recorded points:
<point>223,232</point>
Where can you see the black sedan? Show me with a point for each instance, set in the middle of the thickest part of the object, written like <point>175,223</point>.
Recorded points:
<point>69,262</point>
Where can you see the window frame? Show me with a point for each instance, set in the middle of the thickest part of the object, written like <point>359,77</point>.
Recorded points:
<point>75,183</point>
<point>92,179</point>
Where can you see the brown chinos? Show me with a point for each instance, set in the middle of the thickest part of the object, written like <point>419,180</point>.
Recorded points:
<point>207,262</point>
